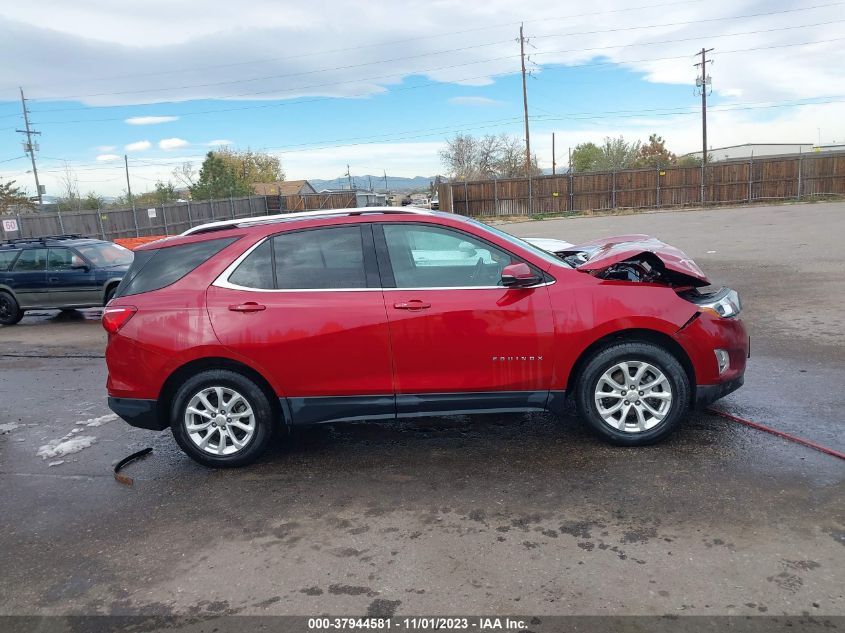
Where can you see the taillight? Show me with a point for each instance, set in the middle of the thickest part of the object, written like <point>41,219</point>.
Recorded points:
<point>116,318</point>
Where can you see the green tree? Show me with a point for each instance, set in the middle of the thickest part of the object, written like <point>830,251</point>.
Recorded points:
<point>654,154</point>
<point>252,167</point>
<point>92,200</point>
<point>162,194</point>
<point>586,157</point>
<point>12,198</point>
<point>614,154</point>
<point>218,179</point>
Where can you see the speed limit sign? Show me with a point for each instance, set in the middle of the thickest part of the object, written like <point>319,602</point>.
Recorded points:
<point>10,226</point>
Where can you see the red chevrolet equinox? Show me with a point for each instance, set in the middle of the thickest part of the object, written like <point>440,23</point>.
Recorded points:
<point>234,328</point>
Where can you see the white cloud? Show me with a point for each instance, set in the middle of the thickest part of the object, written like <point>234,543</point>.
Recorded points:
<point>105,158</point>
<point>219,142</point>
<point>138,146</point>
<point>172,143</point>
<point>231,51</point>
<point>474,101</point>
<point>150,120</point>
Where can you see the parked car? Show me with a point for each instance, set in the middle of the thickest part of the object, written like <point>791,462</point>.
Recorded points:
<point>434,205</point>
<point>237,327</point>
<point>58,272</point>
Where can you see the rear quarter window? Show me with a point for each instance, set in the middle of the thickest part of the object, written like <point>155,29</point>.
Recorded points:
<point>159,268</point>
<point>6,259</point>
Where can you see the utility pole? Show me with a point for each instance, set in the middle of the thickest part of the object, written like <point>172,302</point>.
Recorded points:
<point>554,164</point>
<point>701,83</point>
<point>349,177</point>
<point>370,180</point>
<point>525,103</point>
<point>385,181</point>
<point>29,147</point>
<point>128,186</point>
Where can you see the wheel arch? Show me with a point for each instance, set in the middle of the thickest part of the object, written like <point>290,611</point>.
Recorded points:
<point>108,285</point>
<point>631,335</point>
<point>183,372</point>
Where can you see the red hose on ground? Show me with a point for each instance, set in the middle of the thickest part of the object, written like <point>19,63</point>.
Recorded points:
<point>768,429</point>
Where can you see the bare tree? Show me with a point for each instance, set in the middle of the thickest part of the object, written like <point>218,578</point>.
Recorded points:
<point>186,174</point>
<point>69,186</point>
<point>490,156</point>
<point>459,156</point>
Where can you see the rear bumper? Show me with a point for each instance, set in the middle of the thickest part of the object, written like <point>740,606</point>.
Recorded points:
<point>708,394</point>
<point>139,413</point>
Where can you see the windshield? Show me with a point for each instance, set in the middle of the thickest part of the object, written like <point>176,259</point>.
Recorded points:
<point>549,257</point>
<point>105,255</point>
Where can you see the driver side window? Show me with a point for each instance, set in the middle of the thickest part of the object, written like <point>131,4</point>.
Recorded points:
<point>437,257</point>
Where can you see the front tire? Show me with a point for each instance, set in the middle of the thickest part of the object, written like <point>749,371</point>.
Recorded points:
<point>10,311</point>
<point>633,394</point>
<point>221,419</point>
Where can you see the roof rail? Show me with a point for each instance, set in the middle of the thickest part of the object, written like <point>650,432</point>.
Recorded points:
<point>43,239</point>
<point>300,215</point>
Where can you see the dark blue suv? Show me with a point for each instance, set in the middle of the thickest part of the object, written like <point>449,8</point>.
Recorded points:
<point>60,272</point>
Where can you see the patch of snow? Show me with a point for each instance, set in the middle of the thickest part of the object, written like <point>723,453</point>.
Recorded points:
<point>57,462</point>
<point>103,419</point>
<point>65,446</point>
<point>9,427</point>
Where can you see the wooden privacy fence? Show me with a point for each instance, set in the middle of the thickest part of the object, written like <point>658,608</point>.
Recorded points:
<point>168,219</point>
<point>774,178</point>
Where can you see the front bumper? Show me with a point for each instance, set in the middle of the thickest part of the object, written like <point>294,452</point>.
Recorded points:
<point>139,413</point>
<point>708,394</point>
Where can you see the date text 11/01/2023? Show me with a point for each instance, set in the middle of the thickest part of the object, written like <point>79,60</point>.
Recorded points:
<point>418,623</point>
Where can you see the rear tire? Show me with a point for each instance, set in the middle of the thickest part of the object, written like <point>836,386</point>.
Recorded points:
<point>221,419</point>
<point>10,311</point>
<point>644,415</point>
<point>110,294</point>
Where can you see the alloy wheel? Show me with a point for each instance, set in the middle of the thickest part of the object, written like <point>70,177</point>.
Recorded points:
<point>219,420</point>
<point>633,396</point>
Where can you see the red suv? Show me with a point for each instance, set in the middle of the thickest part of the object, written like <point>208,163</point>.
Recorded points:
<point>233,328</point>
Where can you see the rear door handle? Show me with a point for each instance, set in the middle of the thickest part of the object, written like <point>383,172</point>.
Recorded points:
<point>53,279</point>
<point>249,306</point>
<point>414,304</point>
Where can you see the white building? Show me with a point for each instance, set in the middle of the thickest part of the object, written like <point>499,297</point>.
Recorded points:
<point>755,150</point>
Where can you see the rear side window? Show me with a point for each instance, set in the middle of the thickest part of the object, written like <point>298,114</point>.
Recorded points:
<point>322,259</point>
<point>318,259</point>
<point>32,260</point>
<point>6,259</point>
<point>156,269</point>
<point>256,271</point>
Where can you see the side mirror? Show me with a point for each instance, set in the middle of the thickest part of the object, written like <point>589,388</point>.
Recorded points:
<point>519,276</point>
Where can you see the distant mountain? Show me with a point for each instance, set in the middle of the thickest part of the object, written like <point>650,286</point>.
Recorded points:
<point>394,183</point>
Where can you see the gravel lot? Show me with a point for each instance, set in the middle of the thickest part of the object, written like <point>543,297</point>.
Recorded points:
<point>516,514</point>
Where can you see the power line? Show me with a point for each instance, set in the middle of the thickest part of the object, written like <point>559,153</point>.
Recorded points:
<point>404,40</point>
<point>434,83</point>
<point>411,134</point>
<point>442,52</point>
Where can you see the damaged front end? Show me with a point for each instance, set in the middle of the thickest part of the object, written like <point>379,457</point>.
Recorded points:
<point>645,259</point>
<point>638,258</point>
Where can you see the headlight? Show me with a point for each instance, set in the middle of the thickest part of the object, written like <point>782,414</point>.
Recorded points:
<point>723,305</point>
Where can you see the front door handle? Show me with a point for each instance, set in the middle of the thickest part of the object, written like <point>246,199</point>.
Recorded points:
<point>249,306</point>
<point>53,279</point>
<point>414,304</point>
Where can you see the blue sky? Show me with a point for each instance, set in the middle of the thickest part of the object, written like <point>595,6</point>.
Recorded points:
<point>385,97</point>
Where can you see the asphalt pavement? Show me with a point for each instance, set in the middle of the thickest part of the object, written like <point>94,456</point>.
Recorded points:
<point>498,514</point>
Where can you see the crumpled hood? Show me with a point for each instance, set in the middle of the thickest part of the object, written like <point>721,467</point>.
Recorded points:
<point>607,251</point>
